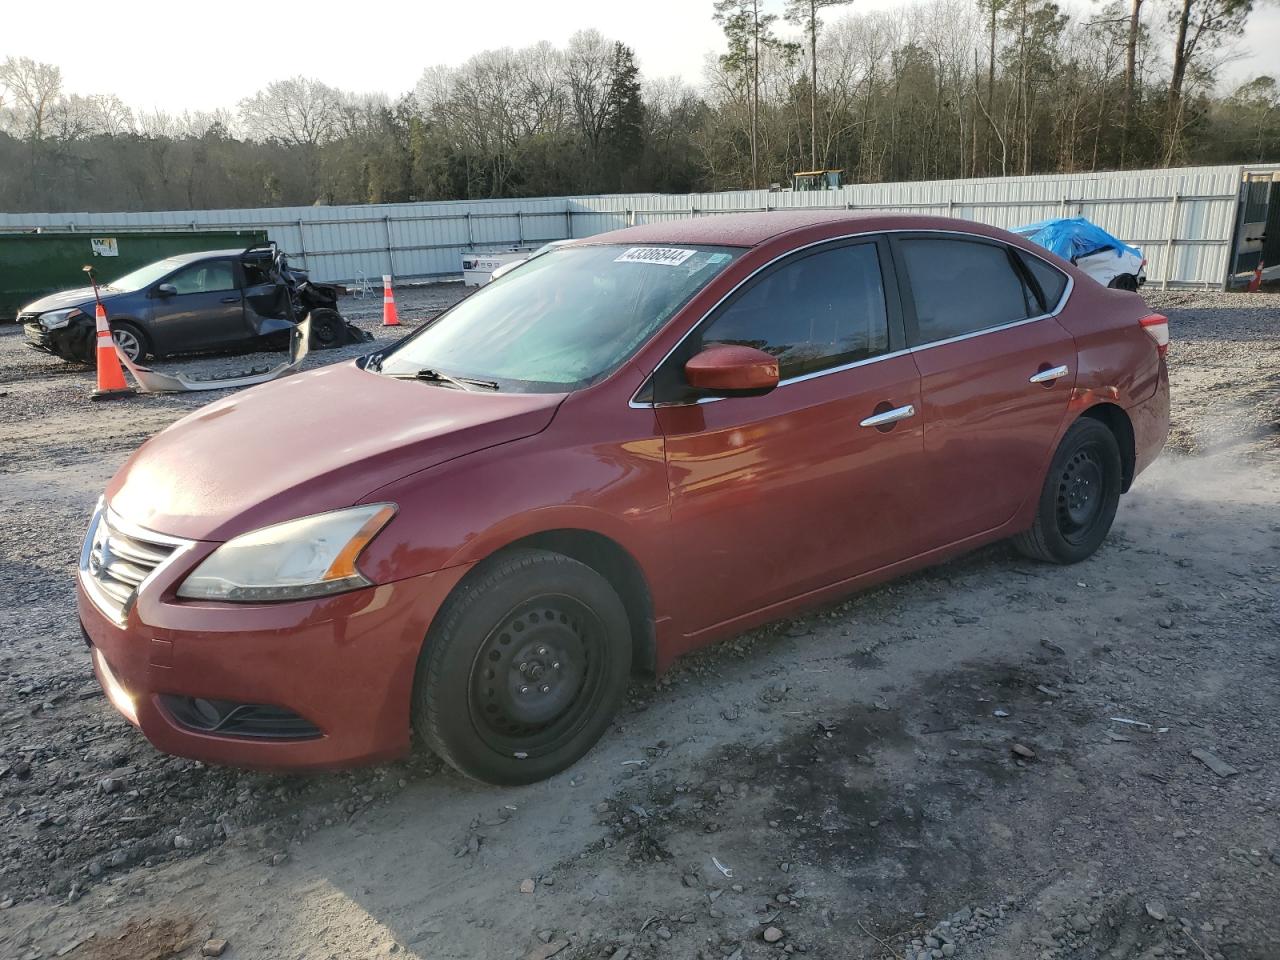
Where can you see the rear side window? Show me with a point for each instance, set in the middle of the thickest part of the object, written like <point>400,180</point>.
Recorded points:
<point>963,286</point>
<point>208,277</point>
<point>1052,281</point>
<point>814,312</point>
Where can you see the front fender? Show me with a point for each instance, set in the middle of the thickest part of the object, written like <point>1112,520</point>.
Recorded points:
<point>467,509</point>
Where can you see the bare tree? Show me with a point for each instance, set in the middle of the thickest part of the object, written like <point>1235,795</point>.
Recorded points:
<point>34,89</point>
<point>586,66</point>
<point>110,117</point>
<point>299,111</point>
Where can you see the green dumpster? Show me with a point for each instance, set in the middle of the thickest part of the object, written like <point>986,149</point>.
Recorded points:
<point>35,264</point>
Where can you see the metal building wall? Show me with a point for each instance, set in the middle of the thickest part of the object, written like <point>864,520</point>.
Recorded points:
<point>1182,218</point>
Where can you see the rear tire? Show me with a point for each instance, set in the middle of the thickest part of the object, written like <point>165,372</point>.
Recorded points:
<point>524,668</point>
<point>1125,281</point>
<point>1079,498</point>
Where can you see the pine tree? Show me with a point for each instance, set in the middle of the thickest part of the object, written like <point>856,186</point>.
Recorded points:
<point>804,13</point>
<point>624,113</point>
<point>749,31</point>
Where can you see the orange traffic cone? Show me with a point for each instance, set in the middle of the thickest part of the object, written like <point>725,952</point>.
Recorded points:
<point>111,381</point>
<point>1255,282</point>
<point>389,316</point>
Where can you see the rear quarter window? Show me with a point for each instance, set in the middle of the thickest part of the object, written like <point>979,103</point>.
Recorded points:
<point>1052,281</point>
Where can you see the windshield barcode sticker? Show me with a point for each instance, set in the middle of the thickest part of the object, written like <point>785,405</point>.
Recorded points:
<point>663,256</point>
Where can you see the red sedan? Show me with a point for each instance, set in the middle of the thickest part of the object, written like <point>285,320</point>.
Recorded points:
<point>616,453</point>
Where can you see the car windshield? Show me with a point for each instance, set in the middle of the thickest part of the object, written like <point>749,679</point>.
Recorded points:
<point>144,276</point>
<point>563,320</point>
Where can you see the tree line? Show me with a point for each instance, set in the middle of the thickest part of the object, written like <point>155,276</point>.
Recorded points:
<point>940,89</point>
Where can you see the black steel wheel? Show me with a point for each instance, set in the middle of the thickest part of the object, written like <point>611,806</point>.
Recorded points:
<point>328,329</point>
<point>523,669</point>
<point>537,676</point>
<point>1078,501</point>
<point>1080,494</point>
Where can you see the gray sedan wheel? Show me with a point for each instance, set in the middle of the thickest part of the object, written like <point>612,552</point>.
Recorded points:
<point>129,341</point>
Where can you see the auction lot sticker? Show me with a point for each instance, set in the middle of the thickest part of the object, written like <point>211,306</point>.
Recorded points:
<point>663,256</point>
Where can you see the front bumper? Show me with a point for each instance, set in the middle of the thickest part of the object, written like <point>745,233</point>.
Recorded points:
<point>37,336</point>
<point>344,664</point>
<point>71,342</point>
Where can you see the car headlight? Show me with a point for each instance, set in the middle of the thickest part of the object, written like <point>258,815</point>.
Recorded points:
<point>309,557</point>
<point>57,319</point>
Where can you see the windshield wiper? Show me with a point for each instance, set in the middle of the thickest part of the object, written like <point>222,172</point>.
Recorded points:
<point>435,376</point>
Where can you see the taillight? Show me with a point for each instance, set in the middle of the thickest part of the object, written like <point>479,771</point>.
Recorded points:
<point>1157,325</point>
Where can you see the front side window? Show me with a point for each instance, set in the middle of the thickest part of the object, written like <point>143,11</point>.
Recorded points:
<point>963,286</point>
<point>209,277</point>
<point>563,320</point>
<point>814,312</point>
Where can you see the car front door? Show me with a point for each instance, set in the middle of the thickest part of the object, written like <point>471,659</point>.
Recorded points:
<point>997,371</point>
<point>204,309</point>
<point>778,495</point>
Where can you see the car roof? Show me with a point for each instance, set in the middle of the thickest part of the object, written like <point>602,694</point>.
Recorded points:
<point>753,229</point>
<point>204,255</point>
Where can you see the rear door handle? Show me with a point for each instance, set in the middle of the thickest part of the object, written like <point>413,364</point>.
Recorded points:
<point>889,416</point>
<point>1045,376</point>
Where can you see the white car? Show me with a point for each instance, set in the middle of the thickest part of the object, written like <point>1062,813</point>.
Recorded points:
<point>1115,268</point>
<point>506,268</point>
<point>1110,261</point>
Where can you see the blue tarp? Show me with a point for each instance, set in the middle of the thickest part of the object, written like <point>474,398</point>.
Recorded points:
<point>1073,237</point>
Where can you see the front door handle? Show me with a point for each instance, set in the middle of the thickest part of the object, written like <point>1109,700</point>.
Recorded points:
<point>889,416</point>
<point>1046,376</point>
<point>230,299</point>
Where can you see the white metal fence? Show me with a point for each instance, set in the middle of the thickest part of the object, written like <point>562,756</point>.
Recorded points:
<point>1183,219</point>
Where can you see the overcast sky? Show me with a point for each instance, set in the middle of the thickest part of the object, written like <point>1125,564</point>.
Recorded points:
<point>198,56</point>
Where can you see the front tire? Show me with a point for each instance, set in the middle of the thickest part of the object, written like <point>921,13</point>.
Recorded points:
<point>131,341</point>
<point>1079,498</point>
<point>524,668</point>
<point>328,329</point>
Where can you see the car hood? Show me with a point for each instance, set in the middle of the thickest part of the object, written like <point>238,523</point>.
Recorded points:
<point>79,297</point>
<point>305,444</point>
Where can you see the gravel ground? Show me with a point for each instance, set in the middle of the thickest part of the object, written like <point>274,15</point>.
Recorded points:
<point>934,768</point>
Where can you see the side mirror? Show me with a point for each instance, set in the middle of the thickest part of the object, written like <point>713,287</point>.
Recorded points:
<point>166,290</point>
<point>732,371</point>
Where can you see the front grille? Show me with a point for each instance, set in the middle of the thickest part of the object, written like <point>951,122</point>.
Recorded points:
<point>227,717</point>
<point>118,558</point>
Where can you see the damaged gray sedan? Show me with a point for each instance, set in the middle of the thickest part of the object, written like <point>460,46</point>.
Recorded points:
<point>193,303</point>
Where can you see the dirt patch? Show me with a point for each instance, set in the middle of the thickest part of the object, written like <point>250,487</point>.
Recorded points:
<point>150,939</point>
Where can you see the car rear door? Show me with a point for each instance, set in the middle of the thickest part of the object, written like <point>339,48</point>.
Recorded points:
<point>206,311</point>
<point>774,496</point>
<point>997,371</point>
